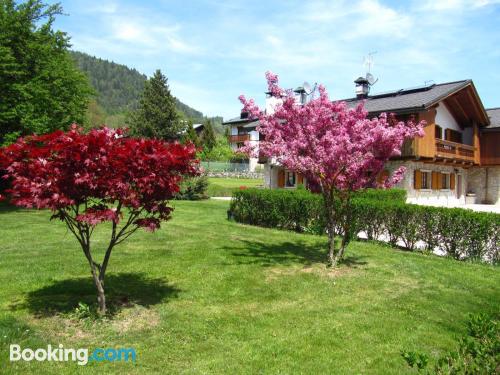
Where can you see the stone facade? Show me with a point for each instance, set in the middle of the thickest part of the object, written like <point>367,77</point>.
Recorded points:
<point>441,197</point>
<point>485,183</point>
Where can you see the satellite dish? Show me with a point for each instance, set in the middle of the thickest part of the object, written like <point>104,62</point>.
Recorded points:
<point>371,79</point>
<point>307,88</point>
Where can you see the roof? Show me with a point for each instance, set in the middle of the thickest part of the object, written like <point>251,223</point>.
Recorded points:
<point>411,99</point>
<point>494,115</point>
<point>239,120</point>
<point>196,126</point>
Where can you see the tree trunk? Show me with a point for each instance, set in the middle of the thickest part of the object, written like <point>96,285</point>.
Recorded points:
<point>330,226</point>
<point>331,248</point>
<point>98,277</point>
<point>101,297</point>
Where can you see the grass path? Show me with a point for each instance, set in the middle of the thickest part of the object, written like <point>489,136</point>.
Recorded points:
<point>205,295</point>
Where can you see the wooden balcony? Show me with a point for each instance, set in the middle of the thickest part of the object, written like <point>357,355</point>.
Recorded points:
<point>453,150</point>
<point>240,138</point>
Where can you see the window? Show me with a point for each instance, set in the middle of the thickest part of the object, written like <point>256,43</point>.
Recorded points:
<point>453,136</point>
<point>445,181</point>
<point>426,179</point>
<point>439,132</point>
<point>290,180</point>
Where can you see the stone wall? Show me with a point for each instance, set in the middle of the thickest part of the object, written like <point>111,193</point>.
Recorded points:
<point>256,175</point>
<point>428,196</point>
<point>485,183</point>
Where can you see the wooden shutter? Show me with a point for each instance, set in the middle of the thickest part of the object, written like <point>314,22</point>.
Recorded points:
<point>281,178</point>
<point>382,176</point>
<point>452,181</point>
<point>439,132</point>
<point>417,179</point>
<point>447,134</point>
<point>300,179</point>
<point>435,180</point>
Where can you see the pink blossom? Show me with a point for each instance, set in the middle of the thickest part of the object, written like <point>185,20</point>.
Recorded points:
<point>332,145</point>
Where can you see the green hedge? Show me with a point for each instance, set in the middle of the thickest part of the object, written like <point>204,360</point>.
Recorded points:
<point>380,214</point>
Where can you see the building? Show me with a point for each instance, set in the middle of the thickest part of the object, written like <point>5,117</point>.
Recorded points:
<point>457,161</point>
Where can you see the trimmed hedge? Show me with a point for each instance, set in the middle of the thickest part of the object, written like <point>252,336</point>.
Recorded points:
<point>380,215</point>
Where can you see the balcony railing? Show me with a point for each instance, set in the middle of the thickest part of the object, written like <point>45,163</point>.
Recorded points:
<point>454,150</point>
<point>240,138</point>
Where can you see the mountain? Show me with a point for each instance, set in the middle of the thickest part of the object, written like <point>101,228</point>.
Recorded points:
<point>119,87</point>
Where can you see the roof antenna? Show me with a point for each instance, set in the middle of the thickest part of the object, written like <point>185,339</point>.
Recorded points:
<point>368,63</point>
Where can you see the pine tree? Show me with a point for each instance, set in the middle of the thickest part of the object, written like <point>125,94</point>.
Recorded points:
<point>209,139</point>
<point>191,135</point>
<point>41,90</point>
<point>157,115</point>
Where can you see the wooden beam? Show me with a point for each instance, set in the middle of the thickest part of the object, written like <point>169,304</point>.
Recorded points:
<point>457,107</point>
<point>474,104</point>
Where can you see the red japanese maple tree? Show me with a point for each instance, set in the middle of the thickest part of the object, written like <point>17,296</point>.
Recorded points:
<point>101,176</point>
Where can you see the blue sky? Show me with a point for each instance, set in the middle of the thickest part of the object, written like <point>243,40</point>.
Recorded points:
<point>214,50</point>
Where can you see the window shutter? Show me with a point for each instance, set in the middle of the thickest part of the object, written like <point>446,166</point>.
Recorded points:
<point>417,179</point>
<point>452,181</point>
<point>435,180</point>
<point>447,134</point>
<point>382,176</point>
<point>281,178</point>
<point>300,179</point>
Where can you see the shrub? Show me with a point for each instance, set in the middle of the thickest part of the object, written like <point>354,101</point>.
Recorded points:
<point>193,188</point>
<point>389,195</point>
<point>459,233</point>
<point>477,352</point>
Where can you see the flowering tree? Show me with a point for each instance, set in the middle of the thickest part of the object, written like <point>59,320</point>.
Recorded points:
<point>102,176</point>
<point>339,150</point>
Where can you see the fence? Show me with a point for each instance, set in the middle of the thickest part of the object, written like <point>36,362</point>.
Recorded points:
<point>221,166</point>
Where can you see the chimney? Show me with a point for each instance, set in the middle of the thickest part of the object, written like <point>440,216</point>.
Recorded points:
<point>362,88</point>
<point>300,95</point>
<point>243,115</point>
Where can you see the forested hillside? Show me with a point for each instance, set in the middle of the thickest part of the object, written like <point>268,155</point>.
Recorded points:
<point>119,87</point>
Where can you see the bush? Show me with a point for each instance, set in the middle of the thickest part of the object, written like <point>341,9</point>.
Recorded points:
<point>296,210</point>
<point>193,188</point>
<point>477,353</point>
<point>389,195</point>
<point>459,233</point>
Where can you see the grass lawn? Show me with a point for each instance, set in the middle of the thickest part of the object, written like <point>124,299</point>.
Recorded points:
<point>205,295</point>
<point>224,187</point>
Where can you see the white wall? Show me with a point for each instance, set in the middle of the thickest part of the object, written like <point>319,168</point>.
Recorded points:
<point>270,176</point>
<point>271,102</point>
<point>445,119</point>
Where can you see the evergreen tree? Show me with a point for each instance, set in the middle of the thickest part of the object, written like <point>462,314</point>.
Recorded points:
<point>209,139</point>
<point>191,135</point>
<point>157,115</point>
<point>41,89</point>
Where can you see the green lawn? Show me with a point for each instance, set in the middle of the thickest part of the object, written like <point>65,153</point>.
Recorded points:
<point>224,187</point>
<point>205,295</point>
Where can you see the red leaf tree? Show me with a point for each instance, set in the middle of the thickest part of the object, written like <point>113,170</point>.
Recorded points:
<point>102,176</point>
<point>338,149</point>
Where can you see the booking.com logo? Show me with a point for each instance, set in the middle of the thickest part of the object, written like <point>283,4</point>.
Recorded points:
<point>62,354</point>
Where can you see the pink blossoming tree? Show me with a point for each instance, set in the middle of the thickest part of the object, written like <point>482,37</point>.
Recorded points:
<point>338,149</point>
<point>102,176</point>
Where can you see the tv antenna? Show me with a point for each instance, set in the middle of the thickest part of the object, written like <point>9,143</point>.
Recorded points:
<point>368,63</point>
<point>368,60</point>
<point>308,89</point>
